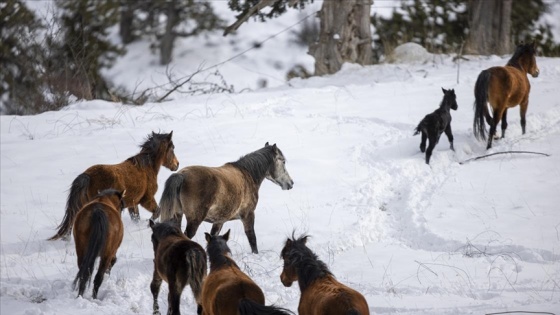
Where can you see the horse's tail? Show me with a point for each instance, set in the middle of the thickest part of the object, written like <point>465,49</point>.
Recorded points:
<point>99,227</point>
<point>170,202</point>
<point>76,199</point>
<point>420,128</point>
<point>480,103</point>
<point>196,262</point>
<point>250,307</point>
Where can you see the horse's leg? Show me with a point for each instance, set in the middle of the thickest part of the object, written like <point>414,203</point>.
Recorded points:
<point>432,138</point>
<point>151,205</point>
<point>249,225</point>
<point>449,135</point>
<point>154,287</point>
<point>113,261</point>
<point>497,117</point>
<point>423,142</point>
<point>522,111</point>
<point>174,296</point>
<point>216,228</point>
<point>103,266</point>
<point>504,123</point>
<point>134,213</point>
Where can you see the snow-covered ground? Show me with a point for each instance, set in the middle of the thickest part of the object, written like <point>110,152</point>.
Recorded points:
<point>447,238</point>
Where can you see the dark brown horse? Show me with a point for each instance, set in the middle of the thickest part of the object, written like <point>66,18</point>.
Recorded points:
<point>137,175</point>
<point>503,88</point>
<point>178,261</point>
<point>221,194</point>
<point>227,290</point>
<point>98,232</point>
<point>321,293</point>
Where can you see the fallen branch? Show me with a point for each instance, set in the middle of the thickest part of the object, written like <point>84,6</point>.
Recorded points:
<point>522,312</point>
<point>506,152</point>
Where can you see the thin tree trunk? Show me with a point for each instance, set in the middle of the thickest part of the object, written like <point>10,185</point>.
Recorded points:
<point>345,35</point>
<point>166,44</point>
<point>490,27</point>
<point>125,23</point>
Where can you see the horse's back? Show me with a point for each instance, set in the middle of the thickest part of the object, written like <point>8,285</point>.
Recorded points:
<point>122,176</point>
<point>507,85</point>
<point>332,297</point>
<point>171,255</point>
<point>224,288</point>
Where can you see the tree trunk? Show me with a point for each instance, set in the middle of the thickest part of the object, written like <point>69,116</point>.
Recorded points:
<point>166,44</point>
<point>125,23</point>
<point>345,35</point>
<point>490,27</point>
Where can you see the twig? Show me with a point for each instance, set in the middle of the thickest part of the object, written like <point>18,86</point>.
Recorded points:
<point>505,152</point>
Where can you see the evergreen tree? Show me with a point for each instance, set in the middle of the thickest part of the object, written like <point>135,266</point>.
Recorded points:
<point>21,89</point>
<point>438,25</point>
<point>84,49</point>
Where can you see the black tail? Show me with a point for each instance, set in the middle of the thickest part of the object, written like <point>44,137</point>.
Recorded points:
<point>250,307</point>
<point>480,102</point>
<point>99,225</point>
<point>170,202</point>
<point>421,127</point>
<point>76,199</point>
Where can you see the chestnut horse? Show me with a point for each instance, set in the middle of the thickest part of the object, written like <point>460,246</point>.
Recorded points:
<point>137,175</point>
<point>503,88</point>
<point>321,293</point>
<point>227,290</point>
<point>220,194</point>
<point>98,232</point>
<point>178,261</point>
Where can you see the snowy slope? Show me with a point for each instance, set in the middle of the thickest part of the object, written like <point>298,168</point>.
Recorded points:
<point>414,239</point>
<point>447,238</point>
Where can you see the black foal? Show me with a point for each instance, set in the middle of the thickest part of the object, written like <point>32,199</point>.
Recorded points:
<point>434,124</point>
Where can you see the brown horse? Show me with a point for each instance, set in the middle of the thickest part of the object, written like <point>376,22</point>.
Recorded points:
<point>220,194</point>
<point>321,293</point>
<point>227,290</point>
<point>503,88</point>
<point>98,232</point>
<point>137,175</point>
<point>178,261</point>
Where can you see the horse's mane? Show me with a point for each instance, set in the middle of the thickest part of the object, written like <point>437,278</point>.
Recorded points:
<point>149,150</point>
<point>308,266</point>
<point>520,51</point>
<point>256,163</point>
<point>217,257</point>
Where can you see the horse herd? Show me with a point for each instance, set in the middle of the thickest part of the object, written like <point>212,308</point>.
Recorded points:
<point>229,192</point>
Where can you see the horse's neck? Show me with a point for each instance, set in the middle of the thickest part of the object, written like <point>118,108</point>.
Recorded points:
<point>221,261</point>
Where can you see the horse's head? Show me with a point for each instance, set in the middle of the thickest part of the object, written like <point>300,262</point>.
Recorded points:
<point>450,99</point>
<point>525,57</point>
<point>114,196</point>
<point>162,230</point>
<point>217,245</point>
<point>170,160</point>
<point>277,172</point>
<point>291,254</point>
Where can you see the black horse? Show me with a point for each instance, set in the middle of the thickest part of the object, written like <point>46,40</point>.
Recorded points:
<point>434,124</point>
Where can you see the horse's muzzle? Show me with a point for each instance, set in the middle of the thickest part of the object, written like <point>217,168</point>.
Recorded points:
<point>535,74</point>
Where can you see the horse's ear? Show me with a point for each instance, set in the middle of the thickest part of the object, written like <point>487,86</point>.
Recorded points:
<point>444,90</point>
<point>170,135</point>
<point>304,239</point>
<point>152,223</point>
<point>266,144</point>
<point>226,236</point>
<point>208,237</point>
